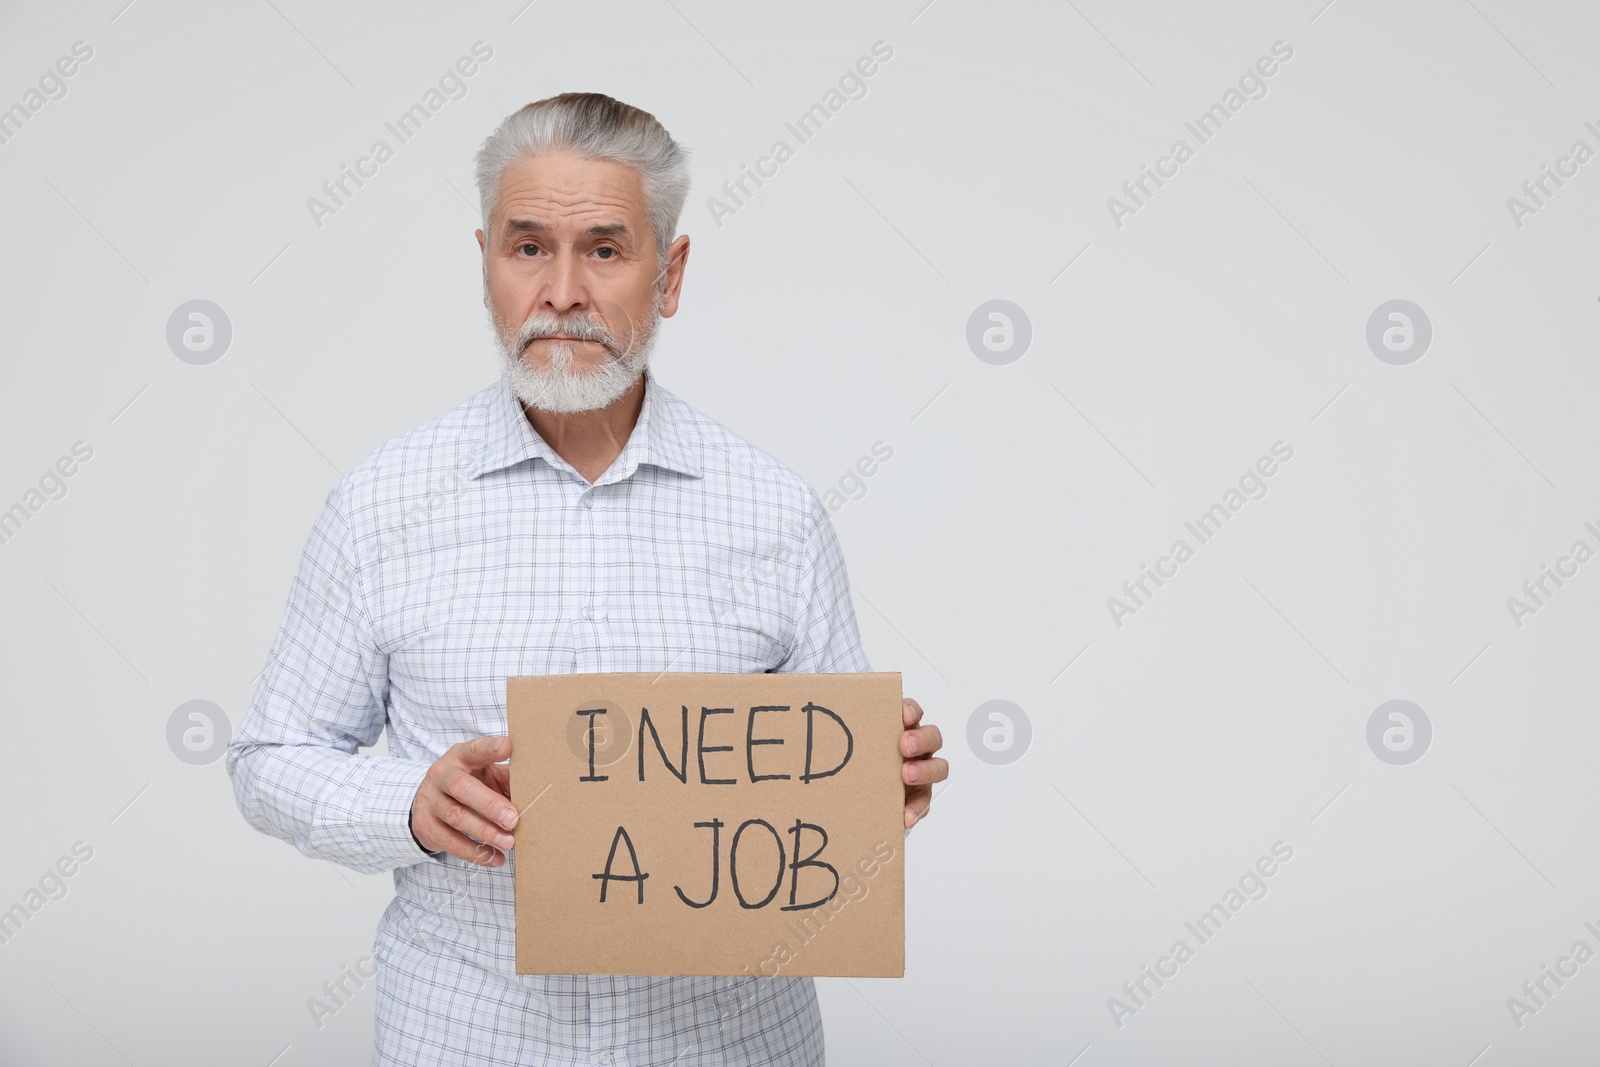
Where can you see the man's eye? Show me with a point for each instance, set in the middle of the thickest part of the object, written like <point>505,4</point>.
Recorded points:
<point>611,252</point>
<point>524,248</point>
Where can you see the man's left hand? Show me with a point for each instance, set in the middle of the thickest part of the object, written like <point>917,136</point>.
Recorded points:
<point>921,767</point>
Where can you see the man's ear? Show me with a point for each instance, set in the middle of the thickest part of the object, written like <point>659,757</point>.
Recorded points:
<point>482,248</point>
<point>672,285</point>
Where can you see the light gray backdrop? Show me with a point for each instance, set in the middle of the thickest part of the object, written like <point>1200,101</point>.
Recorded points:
<point>1152,352</point>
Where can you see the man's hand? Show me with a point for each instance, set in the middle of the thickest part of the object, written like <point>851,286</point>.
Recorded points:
<point>921,767</point>
<point>463,806</point>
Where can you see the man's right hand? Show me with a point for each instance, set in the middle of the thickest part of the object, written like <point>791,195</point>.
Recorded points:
<point>463,806</point>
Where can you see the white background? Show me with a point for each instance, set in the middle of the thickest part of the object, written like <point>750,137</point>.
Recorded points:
<point>1227,314</point>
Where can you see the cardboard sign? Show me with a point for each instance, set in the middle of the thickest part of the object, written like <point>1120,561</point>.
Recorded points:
<point>708,824</point>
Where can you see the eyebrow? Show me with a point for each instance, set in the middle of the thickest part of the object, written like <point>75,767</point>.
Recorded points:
<point>599,229</point>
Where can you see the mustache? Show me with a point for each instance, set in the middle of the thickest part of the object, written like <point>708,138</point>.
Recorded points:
<point>540,326</point>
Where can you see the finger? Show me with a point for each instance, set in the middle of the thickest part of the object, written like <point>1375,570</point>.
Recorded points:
<point>918,801</point>
<point>497,776</point>
<point>481,800</point>
<point>455,814</point>
<point>487,802</point>
<point>925,771</point>
<point>482,751</point>
<point>910,711</point>
<point>440,836</point>
<point>922,741</point>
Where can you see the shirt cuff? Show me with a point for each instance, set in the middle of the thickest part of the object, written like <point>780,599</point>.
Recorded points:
<point>385,837</point>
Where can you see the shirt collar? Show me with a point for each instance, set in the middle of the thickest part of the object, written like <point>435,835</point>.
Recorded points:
<point>659,437</point>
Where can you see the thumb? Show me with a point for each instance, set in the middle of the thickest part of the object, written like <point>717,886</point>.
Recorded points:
<point>486,750</point>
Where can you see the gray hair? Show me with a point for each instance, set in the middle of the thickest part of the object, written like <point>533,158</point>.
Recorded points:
<point>594,126</point>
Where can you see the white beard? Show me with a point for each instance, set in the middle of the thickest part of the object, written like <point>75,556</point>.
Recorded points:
<point>569,385</point>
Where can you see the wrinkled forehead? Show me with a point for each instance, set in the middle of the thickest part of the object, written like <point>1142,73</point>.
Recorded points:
<point>565,195</point>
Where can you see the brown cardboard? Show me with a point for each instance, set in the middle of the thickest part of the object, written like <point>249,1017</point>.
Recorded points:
<point>570,819</point>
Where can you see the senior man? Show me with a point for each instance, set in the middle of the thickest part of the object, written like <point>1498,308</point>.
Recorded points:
<point>574,517</point>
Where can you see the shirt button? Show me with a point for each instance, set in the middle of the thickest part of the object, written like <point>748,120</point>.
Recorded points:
<point>588,613</point>
<point>588,502</point>
<point>605,1057</point>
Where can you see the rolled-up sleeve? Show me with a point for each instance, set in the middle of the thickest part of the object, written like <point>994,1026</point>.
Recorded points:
<point>296,771</point>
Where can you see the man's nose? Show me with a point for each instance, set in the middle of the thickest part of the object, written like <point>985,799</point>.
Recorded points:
<point>565,288</point>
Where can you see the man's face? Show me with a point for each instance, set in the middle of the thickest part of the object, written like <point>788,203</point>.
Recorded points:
<point>572,280</point>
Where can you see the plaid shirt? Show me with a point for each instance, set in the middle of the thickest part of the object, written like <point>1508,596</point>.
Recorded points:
<point>467,552</point>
